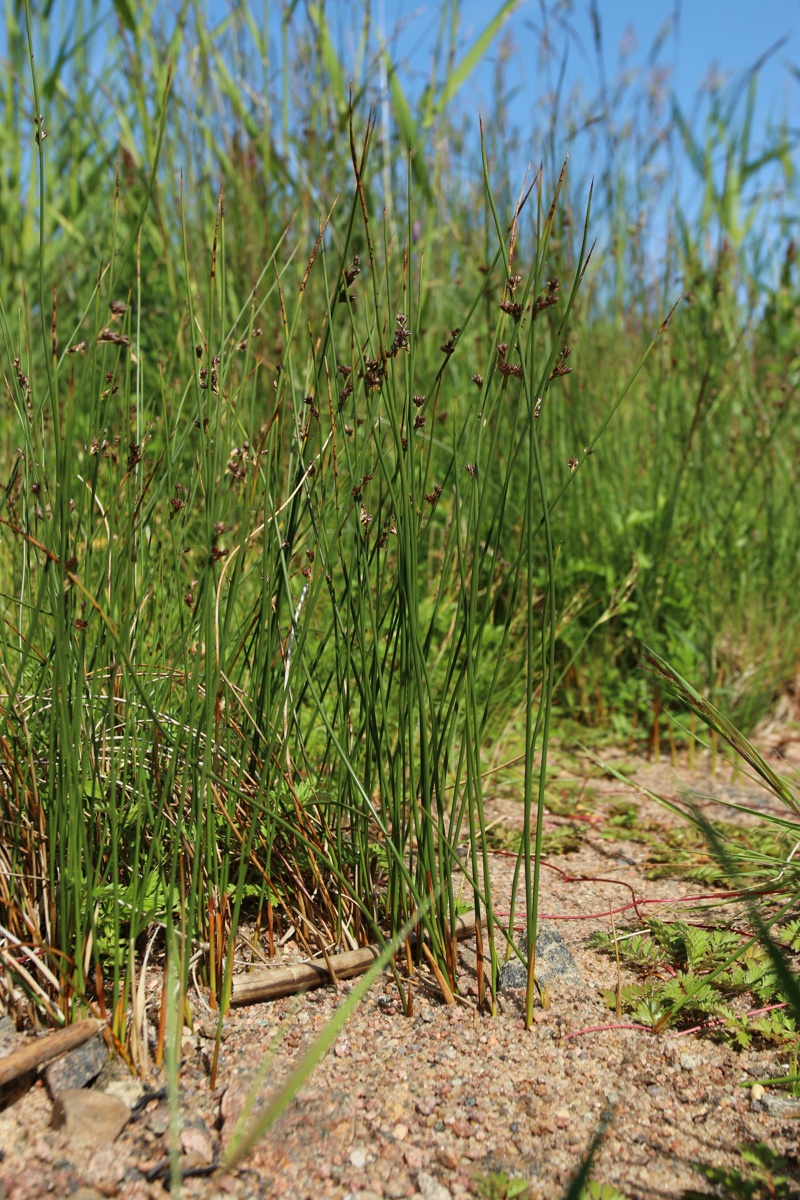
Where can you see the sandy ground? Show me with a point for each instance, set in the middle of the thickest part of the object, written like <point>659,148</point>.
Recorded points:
<point>433,1105</point>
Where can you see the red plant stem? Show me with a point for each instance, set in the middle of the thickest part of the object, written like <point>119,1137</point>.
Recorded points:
<point>600,916</point>
<point>603,1028</point>
<point>754,1012</point>
<point>566,878</point>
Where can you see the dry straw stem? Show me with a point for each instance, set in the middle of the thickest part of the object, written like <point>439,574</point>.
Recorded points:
<point>45,1049</point>
<point>286,981</point>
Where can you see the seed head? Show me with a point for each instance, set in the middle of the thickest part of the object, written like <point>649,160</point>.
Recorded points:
<point>548,297</point>
<point>449,346</point>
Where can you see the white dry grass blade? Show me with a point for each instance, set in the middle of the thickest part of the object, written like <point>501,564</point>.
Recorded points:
<point>139,1042</point>
<point>14,968</point>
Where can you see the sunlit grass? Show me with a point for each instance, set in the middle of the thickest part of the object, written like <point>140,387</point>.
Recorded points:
<point>323,485</point>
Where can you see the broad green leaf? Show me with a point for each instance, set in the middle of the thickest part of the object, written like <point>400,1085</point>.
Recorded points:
<point>409,132</point>
<point>125,14</point>
<point>460,74</point>
<point>330,59</point>
<point>692,147</point>
<point>65,54</point>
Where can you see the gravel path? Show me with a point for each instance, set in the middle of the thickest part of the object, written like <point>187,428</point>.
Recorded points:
<point>433,1105</point>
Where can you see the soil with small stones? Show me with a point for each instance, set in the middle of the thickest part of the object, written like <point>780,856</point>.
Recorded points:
<point>430,1106</point>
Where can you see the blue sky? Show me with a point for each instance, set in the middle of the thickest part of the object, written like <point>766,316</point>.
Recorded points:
<point>729,33</point>
<point>706,37</point>
<point>702,40</point>
<point>726,36</point>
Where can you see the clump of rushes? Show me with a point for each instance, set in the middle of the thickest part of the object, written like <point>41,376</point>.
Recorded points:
<point>231,680</point>
<point>282,539</point>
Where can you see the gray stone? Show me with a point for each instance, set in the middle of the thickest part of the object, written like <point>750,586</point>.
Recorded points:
<point>9,1038</point>
<point>76,1069</point>
<point>92,1118</point>
<point>513,975</point>
<point>554,963</point>
<point>781,1106</point>
<point>553,959</point>
<point>689,1062</point>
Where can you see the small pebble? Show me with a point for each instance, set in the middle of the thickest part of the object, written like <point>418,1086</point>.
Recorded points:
<point>196,1144</point>
<point>129,1091</point>
<point>689,1062</point>
<point>414,1158</point>
<point>158,1120</point>
<point>782,1107</point>
<point>431,1189</point>
<point>756,1091</point>
<point>42,1150</point>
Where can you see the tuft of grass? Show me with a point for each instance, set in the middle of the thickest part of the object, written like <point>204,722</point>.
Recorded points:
<point>498,1185</point>
<point>695,977</point>
<point>264,589</point>
<point>762,1176</point>
<point>705,967</point>
<point>305,451</point>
